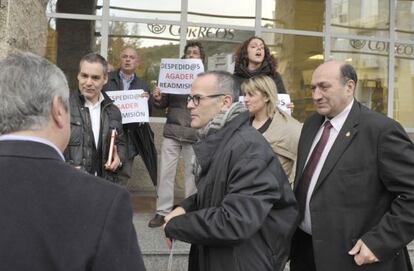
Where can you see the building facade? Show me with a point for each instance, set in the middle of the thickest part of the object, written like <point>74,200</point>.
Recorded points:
<point>375,36</point>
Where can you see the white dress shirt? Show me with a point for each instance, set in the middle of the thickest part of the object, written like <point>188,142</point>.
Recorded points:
<point>337,123</point>
<point>95,113</point>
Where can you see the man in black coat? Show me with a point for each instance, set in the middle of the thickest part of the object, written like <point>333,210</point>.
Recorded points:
<point>53,216</point>
<point>357,204</point>
<point>93,117</point>
<point>244,212</point>
<point>139,136</point>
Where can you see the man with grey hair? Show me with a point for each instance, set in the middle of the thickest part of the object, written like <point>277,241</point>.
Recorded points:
<point>244,213</point>
<point>54,217</point>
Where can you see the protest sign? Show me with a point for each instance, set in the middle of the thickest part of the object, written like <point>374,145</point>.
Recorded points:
<point>133,106</point>
<point>177,75</point>
<point>283,100</point>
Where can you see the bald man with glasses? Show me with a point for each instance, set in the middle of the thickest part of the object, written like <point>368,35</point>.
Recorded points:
<point>244,211</point>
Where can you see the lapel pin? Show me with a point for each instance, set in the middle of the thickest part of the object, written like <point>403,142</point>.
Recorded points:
<point>348,134</point>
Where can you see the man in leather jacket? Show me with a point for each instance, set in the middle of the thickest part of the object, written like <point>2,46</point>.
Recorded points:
<point>93,117</point>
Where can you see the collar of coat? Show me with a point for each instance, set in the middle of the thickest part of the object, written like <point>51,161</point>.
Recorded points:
<point>207,147</point>
<point>82,98</point>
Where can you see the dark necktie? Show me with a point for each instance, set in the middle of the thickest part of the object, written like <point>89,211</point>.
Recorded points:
<point>303,185</point>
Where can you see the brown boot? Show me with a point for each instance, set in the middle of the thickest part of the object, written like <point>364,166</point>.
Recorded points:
<point>156,221</point>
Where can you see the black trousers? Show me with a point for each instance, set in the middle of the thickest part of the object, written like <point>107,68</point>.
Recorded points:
<point>301,255</point>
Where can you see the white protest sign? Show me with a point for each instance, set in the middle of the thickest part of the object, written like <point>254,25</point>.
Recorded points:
<point>133,106</point>
<point>282,102</point>
<point>177,75</point>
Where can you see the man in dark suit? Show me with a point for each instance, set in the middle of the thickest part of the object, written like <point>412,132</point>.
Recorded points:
<point>354,182</point>
<point>53,216</point>
<point>139,136</point>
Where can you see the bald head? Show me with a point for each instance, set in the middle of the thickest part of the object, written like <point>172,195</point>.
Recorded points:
<point>129,60</point>
<point>333,85</point>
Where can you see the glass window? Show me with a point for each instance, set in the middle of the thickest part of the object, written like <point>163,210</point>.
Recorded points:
<point>359,17</point>
<point>75,6</point>
<point>404,85</point>
<point>297,57</point>
<point>154,9</point>
<point>153,41</point>
<point>232,12</point>
<point>300,14</point>
<point>213,33</point>
<point>66,47</point>
<point>370,59</point>
<point>163,33</point>
<point>405,19</point>
<point>219,50</point>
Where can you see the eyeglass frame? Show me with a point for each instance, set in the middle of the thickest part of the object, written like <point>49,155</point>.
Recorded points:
<point>197,98</point>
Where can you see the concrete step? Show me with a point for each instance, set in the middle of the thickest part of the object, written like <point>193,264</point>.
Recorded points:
<point>154,247</point>
<point>156,253</point>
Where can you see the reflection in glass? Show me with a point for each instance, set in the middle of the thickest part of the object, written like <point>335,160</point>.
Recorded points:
<point>154,9</point>
<point>297,57</point>
<point>232,12</point>
<point>220,49</point>
<point>360,17</point>
<point>300,14</point>
<point>65,47</point>
<point>129,30</point>
<point>75,6</point>
<point>150,57</point>
<point>370,59</point>
<point>51,6</point>
<point>404,88</point>
<point>405,19</point>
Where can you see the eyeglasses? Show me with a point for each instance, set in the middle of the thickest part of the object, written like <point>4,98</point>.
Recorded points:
<point>196,98</point>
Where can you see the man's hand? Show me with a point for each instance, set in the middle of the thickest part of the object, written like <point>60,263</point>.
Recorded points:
<point>116,162</point>
<point>362,254</point>
<point>169,242</point>
<point>157,94</point>
<point>176,212</point>
<point>145,94</point>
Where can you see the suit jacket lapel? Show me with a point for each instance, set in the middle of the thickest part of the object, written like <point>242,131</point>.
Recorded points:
<point>345,137</point>
<point>306,141</point>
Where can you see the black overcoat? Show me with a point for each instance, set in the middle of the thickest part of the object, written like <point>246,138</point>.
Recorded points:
<point>244,213</point>
<point>55,217</point>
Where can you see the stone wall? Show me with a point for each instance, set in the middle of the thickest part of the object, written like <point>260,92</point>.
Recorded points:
<point>23,26</point>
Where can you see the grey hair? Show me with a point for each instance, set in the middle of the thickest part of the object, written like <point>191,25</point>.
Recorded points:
<point>28,84</point>
<point>225,83</point>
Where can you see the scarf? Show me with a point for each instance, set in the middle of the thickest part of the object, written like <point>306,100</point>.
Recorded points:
<point>221,119</point>
<point>244,72</point>
<point>218,122</point>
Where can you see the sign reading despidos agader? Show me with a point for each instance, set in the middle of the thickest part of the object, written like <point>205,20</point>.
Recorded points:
<point>177,75</point>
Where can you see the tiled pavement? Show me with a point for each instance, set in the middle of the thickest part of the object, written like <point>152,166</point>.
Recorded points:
<point>152,241</point>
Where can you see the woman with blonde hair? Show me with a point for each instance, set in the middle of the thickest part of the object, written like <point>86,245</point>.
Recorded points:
<point>280,129</point>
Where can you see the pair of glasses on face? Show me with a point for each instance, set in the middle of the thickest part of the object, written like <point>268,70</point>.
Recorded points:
<point>197,98</point>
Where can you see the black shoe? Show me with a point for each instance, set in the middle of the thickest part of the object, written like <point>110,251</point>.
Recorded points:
<point>156,221</point>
